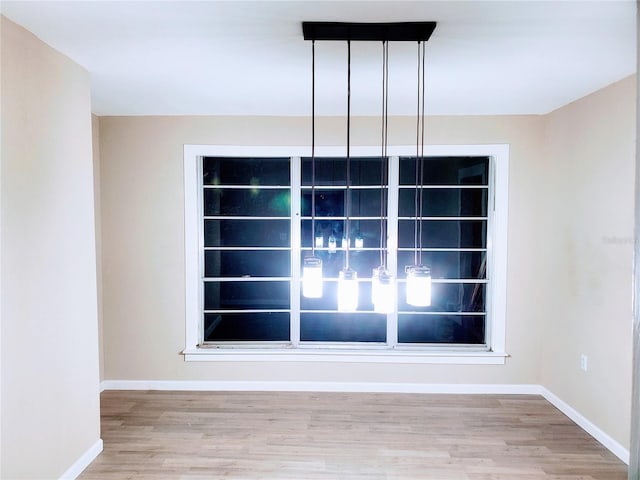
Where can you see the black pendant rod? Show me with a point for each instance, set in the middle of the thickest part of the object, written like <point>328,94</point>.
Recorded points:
<point>421,156</point>
<point>416,196</point>
<point>313,148</point>
<point>383,155</point>
<point>348,194</point>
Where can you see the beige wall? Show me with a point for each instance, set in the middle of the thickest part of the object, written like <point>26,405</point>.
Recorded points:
<point>568,261</point>
<point>95,142</point>
<point>634,464</point>
<point>50,401</point>
<point>143,244</point>
<point>588,255</point>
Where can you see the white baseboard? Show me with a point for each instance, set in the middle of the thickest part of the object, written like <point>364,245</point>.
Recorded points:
<point>612,445</point>
<point>373,387</point>
<point>83,462</point>
<point>364,387</point>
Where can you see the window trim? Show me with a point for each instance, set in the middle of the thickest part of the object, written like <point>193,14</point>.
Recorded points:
<point>284,352</point>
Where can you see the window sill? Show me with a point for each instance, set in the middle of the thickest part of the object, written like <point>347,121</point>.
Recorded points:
<point>213,354</point>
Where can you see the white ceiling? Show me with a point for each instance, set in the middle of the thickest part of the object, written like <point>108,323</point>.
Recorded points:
<point>249,57</point>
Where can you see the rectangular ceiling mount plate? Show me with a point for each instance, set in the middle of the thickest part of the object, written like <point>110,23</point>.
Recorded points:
<point>368,32</point>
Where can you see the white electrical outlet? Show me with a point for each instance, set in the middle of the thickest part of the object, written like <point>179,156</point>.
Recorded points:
<point>584,362</point>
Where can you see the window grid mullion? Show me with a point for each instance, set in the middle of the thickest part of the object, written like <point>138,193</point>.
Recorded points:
<point>393,176</point>
<point>201,243</point>
<point>296,252</point>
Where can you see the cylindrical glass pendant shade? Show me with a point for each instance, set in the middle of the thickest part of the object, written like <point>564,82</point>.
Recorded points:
<point>312,277</point>
<point>359,242</point>
<point>382,290</point>
<point>418,285</point>
<point>347,290</point>
<point>319,241</point>
<point>345,243</point>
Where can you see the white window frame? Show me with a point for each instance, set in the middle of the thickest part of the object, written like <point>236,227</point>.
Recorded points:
<point>496,244</point>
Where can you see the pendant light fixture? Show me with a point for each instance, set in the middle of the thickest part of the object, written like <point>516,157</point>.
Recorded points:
<point>348,278</point>
<point>382,282</point>
<point>333,245</point>
<point>312,266</point>
<point>419,275</point>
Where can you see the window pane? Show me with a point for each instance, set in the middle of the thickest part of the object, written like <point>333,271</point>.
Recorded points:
<point>328,171</point>
<point>247,263</point>
<point>448,297</point>
<point>237,295</point>
<point>444,202</point>
<point>247,202</point>
<point>263,326</point>
<point>343,327</point>
<point>365,203</point>
<point>333,171</point>
<point>444,234</point>
<point>331,203</point>
<point>365,171</point>
<point>245,171</point>
<point>246,233</point>
<point>446,171</point>
<point>451,265</point>
<point>466,329</point>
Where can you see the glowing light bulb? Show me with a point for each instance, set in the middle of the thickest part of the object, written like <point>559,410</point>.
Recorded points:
<point>383,293</point>
<point>418,285</point>
<point>347,290</point>
<point>312,277</point>
<point>332,244</point>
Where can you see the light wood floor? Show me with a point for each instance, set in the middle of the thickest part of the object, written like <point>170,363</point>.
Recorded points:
<point>205,435</point>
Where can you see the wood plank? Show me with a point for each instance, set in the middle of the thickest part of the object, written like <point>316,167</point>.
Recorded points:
<point>347,436</point>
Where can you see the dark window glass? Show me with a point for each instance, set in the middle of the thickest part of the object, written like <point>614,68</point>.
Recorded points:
<point>247,202</point>
<point>331,203</point>
<point>446,171</point>
<point>262,326</point>
<point>444,234</point>
<point>250,295</point>
<point>246,233</point>
<point>448,297</point>
<point>451,265</point>
<point>465,329</point>
<point>365,203</point>
<point>328,171</point>
<point>247,263</point>
<point>245,171</point>
<point>343,327</point>
<point>333,171</point>
<point>444,202</point>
